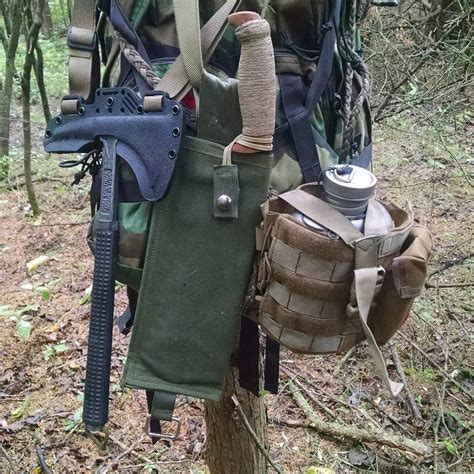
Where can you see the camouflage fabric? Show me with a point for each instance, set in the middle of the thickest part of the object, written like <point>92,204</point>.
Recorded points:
<point>296,25</point>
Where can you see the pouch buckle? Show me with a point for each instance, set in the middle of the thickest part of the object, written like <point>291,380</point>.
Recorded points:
<point>170,437</point>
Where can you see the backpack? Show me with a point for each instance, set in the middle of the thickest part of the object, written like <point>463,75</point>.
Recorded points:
<point>188,200</point>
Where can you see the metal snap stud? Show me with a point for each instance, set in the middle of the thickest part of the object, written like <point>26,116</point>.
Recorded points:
<point>172,154</point>
<point>224,202</point>
<point>175,109</point>
<point>176,132</point>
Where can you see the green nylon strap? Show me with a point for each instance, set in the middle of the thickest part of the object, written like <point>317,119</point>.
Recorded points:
<point>162,406</point>
<point>176,82</point>
<point>186,15</point>
<point>82,43</point>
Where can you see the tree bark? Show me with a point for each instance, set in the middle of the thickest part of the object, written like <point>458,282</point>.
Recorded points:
<point>38,66</point>
<point>39,73</point>
<point>26,93</point>
<point>6,93</point>
<point>230,447</point>
<point>47,26</point>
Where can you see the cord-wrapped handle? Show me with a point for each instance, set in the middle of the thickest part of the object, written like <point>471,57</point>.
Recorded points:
<point>256,82</point>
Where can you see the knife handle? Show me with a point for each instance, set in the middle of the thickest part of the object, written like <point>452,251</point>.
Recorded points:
<point>257,92</point>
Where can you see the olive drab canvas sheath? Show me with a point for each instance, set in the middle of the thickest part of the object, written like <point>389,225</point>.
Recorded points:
<point>199,259</point>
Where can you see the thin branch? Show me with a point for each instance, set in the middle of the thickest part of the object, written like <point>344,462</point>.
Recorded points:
<point>254,436</point>
<point>437,366</point>
<point>398,365</point>
<point>367,435</point>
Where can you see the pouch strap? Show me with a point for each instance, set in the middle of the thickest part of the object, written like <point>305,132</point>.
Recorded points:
<point>160,406</point>
<point>186,15</point>
<point>272,365</point>
<point>175,81</point>
<point>322,213</point>
<point>365,280</point>
<point>249,350</point>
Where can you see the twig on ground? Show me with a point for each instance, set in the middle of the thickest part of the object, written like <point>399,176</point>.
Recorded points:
<point>320,404</point>
<point>340,401</point>
<point>437,366</point>
<point>254,436</point>
<point>450,285</point>
<point>127,451</point>
<point>45,469</point>
<point>54,224</point>
<point>367,435</point>
<point>451,263</point>
<point>398,365</point>
<point>344,359</point>
<point>125,447</point>
<point>7,457</point>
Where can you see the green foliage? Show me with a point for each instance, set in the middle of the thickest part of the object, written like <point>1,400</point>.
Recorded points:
<point>52,350</point>
<point>7,311</point>
<point>44,291</point>
<point>70,424</point>
<point>449,446</point>
<point>4,167</point>
<point>23,329</point>
<point>425,375</point>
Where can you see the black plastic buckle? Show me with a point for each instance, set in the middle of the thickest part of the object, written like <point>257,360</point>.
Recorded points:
<point>75,44</point>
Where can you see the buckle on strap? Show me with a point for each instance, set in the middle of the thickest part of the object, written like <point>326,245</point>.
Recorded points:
<point>81,39</point>
<point>168,436</point>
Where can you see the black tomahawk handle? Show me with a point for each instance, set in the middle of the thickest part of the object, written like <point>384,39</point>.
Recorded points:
<point>96,392</point>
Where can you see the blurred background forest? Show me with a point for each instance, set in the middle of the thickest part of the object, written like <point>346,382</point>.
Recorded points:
<point>420,55</point>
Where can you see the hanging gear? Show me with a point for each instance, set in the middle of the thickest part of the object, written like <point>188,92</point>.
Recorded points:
<point>188,115</point>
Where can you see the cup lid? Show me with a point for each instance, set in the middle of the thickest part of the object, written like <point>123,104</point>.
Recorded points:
<point>349,182</point>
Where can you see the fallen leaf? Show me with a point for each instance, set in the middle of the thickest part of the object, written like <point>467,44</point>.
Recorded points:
<point>32,265</point>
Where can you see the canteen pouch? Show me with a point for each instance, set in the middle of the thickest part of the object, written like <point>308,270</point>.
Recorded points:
<point>307,278</point>
<point>196,273</point>
<point>403,282</point>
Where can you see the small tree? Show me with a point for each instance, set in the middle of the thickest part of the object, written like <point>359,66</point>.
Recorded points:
<point>31,40</point>
<point>13,20</point>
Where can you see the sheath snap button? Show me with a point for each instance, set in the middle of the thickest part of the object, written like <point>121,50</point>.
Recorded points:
<point>224,202</point>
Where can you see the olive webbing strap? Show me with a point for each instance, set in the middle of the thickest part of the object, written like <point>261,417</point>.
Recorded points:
<point>84,65</point>
<point>365,281</point>
<point>175,81</point>
<point>322,213</point>
<point>186,16</point>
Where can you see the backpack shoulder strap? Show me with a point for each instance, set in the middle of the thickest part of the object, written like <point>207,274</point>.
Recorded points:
<point>84,68</point>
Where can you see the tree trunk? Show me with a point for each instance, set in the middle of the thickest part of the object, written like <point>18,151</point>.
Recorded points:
<point>47,26</point>
<point>6,19</point>
<point>6,94</point>
<point>39,69</point>
<point>229,446</point>
<point>26,93</point>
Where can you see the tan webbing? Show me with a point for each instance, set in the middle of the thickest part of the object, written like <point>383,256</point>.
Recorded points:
<point>186,16</point>
<point>367,275</point>
<point>175,81</point>
<point>82,43</point>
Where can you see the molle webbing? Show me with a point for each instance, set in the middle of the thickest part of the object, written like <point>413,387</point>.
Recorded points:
<point>321,286</point>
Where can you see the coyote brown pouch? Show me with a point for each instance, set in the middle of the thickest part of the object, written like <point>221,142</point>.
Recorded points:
<point>326,291</point>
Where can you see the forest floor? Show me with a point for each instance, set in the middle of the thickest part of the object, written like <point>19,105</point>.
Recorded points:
<point>44,312</point>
